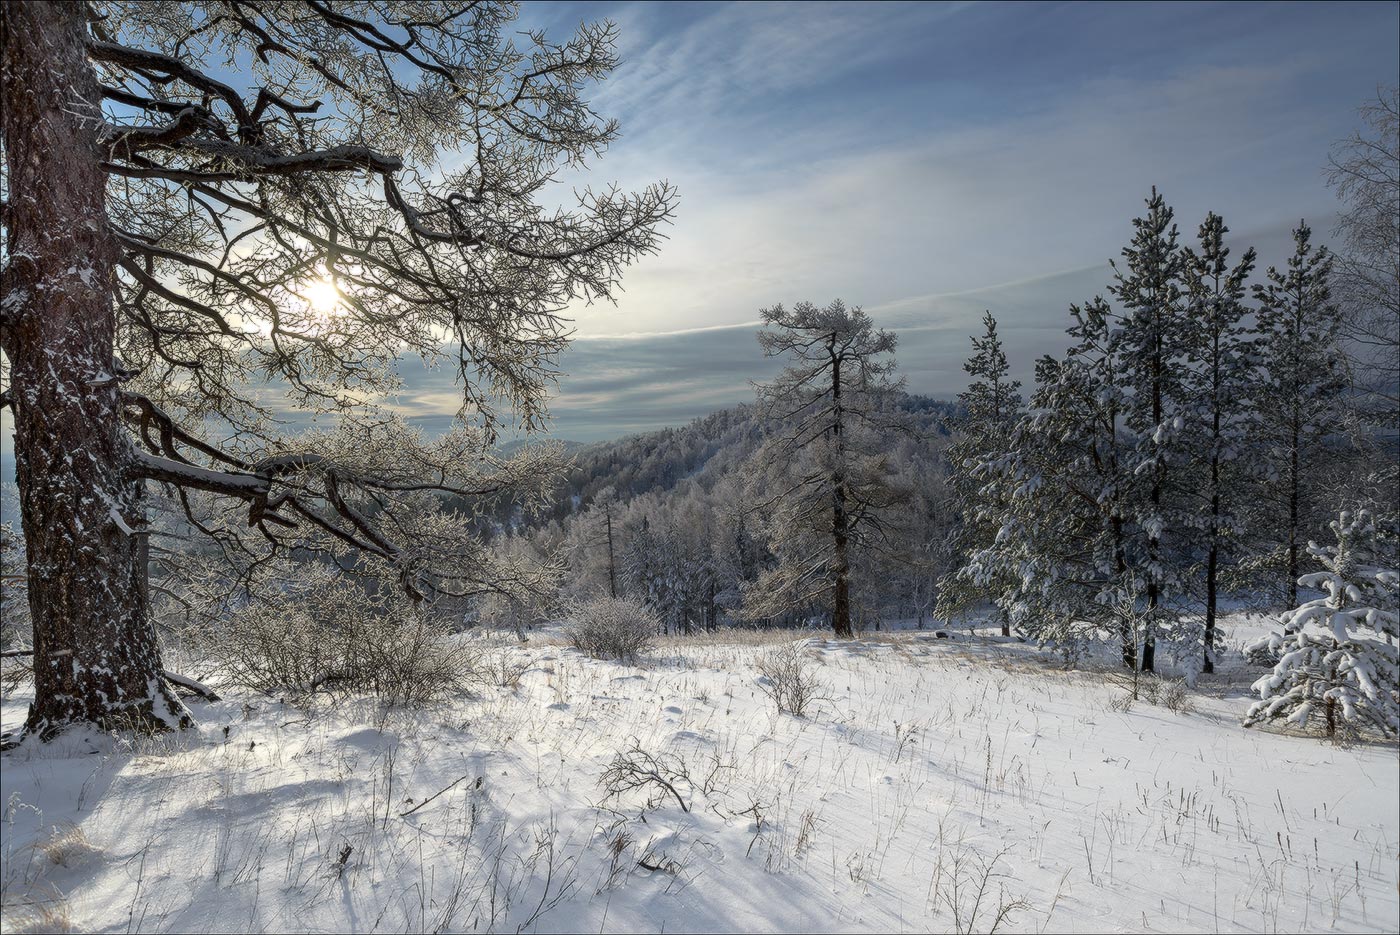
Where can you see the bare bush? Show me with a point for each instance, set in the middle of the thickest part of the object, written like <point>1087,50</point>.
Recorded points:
<point>613,628</point>
<point>637,769</point>
<point>326,632</point>
<point>965,888</point>
<point>44,918</point>
<point>15,673</point>
<point>1170,693</point>
<point>16,634</point>
<point>789,678</point>
<point>501,668</point>
<point>67,846</point>
<point>1174,696</point>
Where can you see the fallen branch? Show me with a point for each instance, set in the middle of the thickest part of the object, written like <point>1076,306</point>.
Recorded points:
<point>637,769</point>
<point>189,684</point>
<point>436,794</point>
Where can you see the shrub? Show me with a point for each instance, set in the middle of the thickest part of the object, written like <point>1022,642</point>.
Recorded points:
<point>609,628</point>
<point>789,678</point>
<point>326,632</point>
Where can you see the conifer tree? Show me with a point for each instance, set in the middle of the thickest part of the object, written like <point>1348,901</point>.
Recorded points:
<point>824,476</point>
<point>1218,387</point>
<point>991,404</point>
<point>1302,379</point>
<point>204,197</point>
<point>1148,287</point>
<point>1060,561</point>
<point>1337,655</point>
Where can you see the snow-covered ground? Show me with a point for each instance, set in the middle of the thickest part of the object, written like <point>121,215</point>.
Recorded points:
<point>936,784</point>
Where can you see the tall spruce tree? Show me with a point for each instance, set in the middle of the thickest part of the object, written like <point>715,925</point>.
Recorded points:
<point>1148,286</point>
<point>1218,387</point>
<point>991,404</point>
<point>1303,377</point>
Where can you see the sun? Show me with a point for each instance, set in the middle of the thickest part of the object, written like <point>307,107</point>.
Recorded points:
<point>323,296</point>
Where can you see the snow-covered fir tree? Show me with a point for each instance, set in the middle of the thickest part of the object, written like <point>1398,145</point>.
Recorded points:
<point>991,404</point>
<point>1060,564</point>
<point>1300,403</point>
<point>1338,659</point>
<point>1218,386</point>
<point>1151,338</point>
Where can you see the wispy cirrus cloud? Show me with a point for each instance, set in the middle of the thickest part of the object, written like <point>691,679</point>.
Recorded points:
<point>930,161</point>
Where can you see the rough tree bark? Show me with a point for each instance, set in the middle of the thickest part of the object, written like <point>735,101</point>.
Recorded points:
<point>96,657</point>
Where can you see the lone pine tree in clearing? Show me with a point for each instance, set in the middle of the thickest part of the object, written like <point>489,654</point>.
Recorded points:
<point>825,481</point>
<point>175,241</point>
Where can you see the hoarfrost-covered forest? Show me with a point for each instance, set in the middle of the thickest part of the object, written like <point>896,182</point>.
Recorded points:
<point>1100,637</point>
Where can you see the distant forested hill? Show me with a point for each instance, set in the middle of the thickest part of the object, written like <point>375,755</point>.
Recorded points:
<point>708,449</point>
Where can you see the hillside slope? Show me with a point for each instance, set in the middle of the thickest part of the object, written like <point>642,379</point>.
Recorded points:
<point>933,785</point>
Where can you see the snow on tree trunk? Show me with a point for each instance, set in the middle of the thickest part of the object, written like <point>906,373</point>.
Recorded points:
<point>96,658</point>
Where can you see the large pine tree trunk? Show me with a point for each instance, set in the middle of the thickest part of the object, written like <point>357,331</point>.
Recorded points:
<point>96,659</point>
<point>1212,571</point>
<point>1127,637</point>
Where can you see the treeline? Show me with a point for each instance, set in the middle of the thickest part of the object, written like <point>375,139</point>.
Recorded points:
<point>675,519</point>
<point>1203,426</point>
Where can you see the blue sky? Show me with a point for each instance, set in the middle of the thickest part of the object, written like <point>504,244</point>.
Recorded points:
<point>928,161</point>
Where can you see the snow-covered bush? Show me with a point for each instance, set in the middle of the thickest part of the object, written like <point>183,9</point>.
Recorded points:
<point>608,628</point>
<point>323,630</point>
<point>1337,655</point>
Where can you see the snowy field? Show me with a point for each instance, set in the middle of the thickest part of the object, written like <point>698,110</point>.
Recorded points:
<point>936,785</point>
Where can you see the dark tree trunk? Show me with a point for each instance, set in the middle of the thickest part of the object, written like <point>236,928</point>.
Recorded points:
<point>1126,637</point>
<point>1213,559</point>
<point>840,523</point>
<point>96,658</point>
<point>1208,663</point>
<point>1293,514</point>
<point>1154,597</point>
<point>612,562</point>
